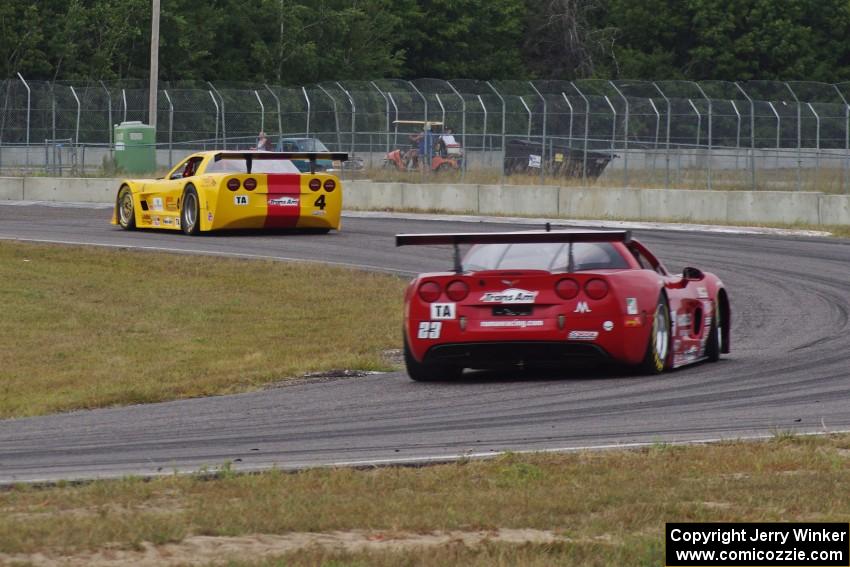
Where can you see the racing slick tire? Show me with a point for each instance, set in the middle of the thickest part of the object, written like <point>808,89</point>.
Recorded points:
<point>715,335</point>
<point>126,209</point>
<point>422,372</point>
<point>190,212</point>
<point>657,356</point>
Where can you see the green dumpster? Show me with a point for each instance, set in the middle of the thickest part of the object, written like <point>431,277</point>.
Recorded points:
<point>135,151</point>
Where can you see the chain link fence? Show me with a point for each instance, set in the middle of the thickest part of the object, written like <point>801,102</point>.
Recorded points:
<point>706,135</point>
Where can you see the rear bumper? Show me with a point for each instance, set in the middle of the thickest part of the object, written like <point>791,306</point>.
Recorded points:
<point>505,353</point>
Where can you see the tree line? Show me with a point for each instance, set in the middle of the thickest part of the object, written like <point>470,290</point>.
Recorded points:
<point>292,42</point>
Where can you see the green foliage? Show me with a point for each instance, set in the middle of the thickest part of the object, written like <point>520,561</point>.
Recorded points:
<point>293,42</point>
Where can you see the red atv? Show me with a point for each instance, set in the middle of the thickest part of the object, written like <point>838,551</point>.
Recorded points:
<point>431,144</point>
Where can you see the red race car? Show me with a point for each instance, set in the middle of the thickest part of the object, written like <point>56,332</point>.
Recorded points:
<point>555,298</point>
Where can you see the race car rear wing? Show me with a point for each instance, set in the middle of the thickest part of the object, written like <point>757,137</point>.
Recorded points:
<point>527,237</point>
<point>250,156</point>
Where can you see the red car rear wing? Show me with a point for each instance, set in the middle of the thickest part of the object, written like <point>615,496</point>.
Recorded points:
<point>250,156</point>
<point>528,237</point>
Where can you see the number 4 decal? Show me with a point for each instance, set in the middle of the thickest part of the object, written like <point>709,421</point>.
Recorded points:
<point>320,202</point>
<point>429,330</point>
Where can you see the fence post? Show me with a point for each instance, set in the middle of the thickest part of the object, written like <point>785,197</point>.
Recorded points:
<point>124,99</point>
<point>387,104</point>
<point>109,115</point>
<point>223,116</point>
<point>702,92</point>
<point>215,102</point>
<point>279,117</point>
<point>613,125</point>
<point>737,132</point>
<point>79,108</point>
<point>846,139</point>
<point>353,114</point>
<point>463,125</point>
<point>657,130</point>
<point>307,125</point>
<point>29,106</point>
<point>170,128</point>
<point>424,100</point>
<point>262,111</point>
<point>817,138</point>
<point>752,135</point>
<point>778,130</point>
<point>625,136</point>
<point>484,129</point>
<point>504,148</point>
<point>395,122</point>
<point>799,139</point>
<point>543,133</point>
<point>586,130</point>
<point>667,159</point>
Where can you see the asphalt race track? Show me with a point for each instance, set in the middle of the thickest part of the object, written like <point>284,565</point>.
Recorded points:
<point>789,369</point>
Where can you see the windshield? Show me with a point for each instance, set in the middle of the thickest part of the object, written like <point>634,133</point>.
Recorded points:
<point>302,145</point>
<point>258,166</point>
<point>547,256</point>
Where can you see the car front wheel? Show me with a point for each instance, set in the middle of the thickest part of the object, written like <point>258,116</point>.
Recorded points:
<point>190,212</point>
<point>658,349</point>
<point>126,209</point>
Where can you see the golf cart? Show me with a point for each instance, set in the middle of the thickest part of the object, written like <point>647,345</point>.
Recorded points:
<point>430,144</point>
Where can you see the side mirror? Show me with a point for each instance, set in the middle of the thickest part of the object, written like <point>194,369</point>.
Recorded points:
<point>692,274</point>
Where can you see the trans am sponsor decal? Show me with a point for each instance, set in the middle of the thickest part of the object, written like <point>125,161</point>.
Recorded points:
<point>443,311</point>
<point>631,306</point>
<point>156,221</point>
<point>170,204</point>
<point>209,217</point>
<point>429,330</point>
<point>702,293</point>
<point>167,221</point>
<point>284,202</point>
<point>146,219</point>
<point>608,325</point>
<point>240,200</point>
<point>516,324</point>
<point>509,296</point>
<point>583,335</point>
<point>157,204</point>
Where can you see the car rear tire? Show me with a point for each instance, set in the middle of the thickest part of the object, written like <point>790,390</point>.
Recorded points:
<point>126,208</point>
<point>658,351</point>
<point>715,334</point>
<point>422,372</point>
<point>190,212</point>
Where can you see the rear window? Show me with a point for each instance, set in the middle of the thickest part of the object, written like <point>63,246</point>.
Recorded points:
<point>544,256</point>
<point>258,166</point>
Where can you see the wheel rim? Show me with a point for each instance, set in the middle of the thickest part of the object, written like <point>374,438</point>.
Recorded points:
<point>190,211</point>
<point>662,338</point>
<point>126,208</point>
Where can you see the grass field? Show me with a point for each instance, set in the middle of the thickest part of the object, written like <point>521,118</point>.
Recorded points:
<point>590,508</point>
<point>89,327</point>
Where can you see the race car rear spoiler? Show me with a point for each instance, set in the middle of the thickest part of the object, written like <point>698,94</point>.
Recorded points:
<point>527,237</point>
<point>250,156</point>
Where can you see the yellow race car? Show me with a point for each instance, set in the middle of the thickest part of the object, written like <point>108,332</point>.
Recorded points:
<point>234,190</point>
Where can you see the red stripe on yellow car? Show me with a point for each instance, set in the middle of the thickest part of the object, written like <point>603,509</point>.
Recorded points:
<point>284,200</point>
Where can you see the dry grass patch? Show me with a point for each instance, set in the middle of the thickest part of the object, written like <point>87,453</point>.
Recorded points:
<point>832,180</point>
<point>609,504</point>
<point>88,327</point>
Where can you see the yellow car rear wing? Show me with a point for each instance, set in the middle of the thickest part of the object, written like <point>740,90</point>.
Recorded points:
<point>250,156</point>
